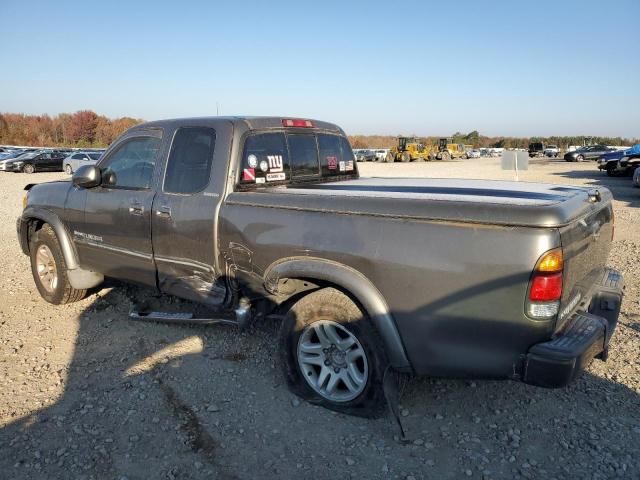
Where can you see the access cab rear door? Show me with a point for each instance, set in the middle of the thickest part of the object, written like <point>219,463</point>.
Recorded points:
<point>185,210</point>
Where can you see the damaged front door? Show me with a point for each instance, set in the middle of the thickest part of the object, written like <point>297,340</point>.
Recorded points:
<point>183,219</point>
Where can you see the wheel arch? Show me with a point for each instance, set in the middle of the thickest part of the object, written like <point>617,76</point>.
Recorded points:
<point>32,220</point>
<point>351,282</point>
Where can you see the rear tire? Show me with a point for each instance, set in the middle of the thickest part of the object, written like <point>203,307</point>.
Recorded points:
<point>579,158</point>
<point>332,355</point>
<point>28,168</point>
<point>406,157</point>
<point>49,269</point>
<point>68,170</point>
<point>390,158</point>
<point>446,156</point>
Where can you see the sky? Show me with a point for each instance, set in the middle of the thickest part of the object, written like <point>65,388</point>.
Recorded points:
<point>427,68</point>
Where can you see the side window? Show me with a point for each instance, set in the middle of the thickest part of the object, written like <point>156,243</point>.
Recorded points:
<point>189,166</point>
<point>131,164</point>
<point>77,156</point>
<point>264,159</point>
<point>304,155</point>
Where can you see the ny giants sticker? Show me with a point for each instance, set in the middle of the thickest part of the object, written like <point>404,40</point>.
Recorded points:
<point>274,177</point>
<point>275,163</point>
<point>249,175</point>
<point>332,163</point>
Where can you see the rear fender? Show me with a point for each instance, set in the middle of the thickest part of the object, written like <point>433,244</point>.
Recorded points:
<point>353,282</point>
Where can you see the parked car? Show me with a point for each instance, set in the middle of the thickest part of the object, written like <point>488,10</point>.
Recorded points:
<point>591,152</point>
<point>473,153</point>
<point>381,154</point>
<point>551,151</point>
<point>512,283</point>
<point>620,162</point>
<point>536,149</point>
<point>38,161</point>
<point>8,155</point>
<point>366,155</point>
<point>74,161</point>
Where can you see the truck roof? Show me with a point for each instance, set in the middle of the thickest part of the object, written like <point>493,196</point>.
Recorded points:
<point>250,122</point>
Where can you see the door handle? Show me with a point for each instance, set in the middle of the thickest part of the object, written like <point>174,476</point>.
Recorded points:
<point>164,212</point>
<point>136,209</point>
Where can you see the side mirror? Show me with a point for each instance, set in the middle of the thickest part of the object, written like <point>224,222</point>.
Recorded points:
<point>87,176</point>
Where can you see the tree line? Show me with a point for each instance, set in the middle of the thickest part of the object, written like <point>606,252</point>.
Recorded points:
<point>84,128</point>
<point>482,141</point>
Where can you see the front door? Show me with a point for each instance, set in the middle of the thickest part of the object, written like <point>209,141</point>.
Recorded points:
<point>184,216</point>
<point>115,238</point>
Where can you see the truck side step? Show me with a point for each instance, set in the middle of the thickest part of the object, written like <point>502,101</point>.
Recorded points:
<point>179,318</point>
<point>241,316</point>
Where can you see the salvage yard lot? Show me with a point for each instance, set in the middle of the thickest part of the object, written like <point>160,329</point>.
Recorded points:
<point>86,393</point>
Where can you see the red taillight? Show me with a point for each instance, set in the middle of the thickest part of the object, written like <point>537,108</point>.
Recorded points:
<point>287,122</point>
<point>546,287</point>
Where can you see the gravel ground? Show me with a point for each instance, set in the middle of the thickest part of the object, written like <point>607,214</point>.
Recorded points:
<point>86,393</point>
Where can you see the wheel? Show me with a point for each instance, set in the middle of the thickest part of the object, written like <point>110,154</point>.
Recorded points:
<point>406,157</point>
<point>28,168</point>
<point>50,270</point>
<point>611,171</point>
<point>579,158</point>
<point>390,158</point>
<point>332,355</point>
<point>68,169</point>
<point>446,156</point>
<point>464,157</point>
<point>419,159</point>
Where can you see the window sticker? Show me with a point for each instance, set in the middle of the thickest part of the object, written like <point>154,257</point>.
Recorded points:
<point>275,163</point>
<point>349,165</point>
<point>249,175</point>
<point>274,177</point>
<point>332,163</point>
<point>260,179</point>
<point>343,166</point>
<point>252,160</point>
<point>264,166</point>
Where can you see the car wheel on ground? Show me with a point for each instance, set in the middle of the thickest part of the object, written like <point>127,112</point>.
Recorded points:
<point>28,168</point>
<point>579,158</point>
<point>332,355</point>
<point>50,270</point>
<point>612,171</point>
<point>68,170</point>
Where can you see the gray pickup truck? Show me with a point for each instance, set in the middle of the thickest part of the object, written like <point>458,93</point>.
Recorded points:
<point>269,217</point>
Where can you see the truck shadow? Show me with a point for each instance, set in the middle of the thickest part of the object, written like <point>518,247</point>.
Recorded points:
<point>621,187</point>
<point>147,400</point>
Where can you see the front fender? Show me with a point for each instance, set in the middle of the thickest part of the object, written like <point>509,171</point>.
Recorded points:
<point>79,278</point>
<point>355,283</point>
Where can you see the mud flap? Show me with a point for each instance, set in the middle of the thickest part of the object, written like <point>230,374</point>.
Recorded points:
<point>392,396</point>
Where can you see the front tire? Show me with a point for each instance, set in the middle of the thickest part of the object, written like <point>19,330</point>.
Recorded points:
<point>579,158</point>
<point>29,168</point>
<point>49,269</point>
<point>68,170</point>
<point>332,355</point>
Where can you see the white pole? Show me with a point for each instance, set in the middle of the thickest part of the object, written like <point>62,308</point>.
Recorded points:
<point>515,163</point>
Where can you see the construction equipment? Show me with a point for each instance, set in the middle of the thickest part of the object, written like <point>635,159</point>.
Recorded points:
<point>448,150</point>
<point>409,149</point>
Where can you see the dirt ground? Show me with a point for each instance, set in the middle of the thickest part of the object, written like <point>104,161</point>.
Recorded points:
<point>87,393</point>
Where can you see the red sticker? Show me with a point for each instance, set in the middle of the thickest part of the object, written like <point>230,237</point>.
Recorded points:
<point>332,163</point>
<point>249,174</point>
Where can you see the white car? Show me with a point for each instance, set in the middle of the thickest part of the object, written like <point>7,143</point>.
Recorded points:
<point>551,151</point>
<point>381,154</point>
<point>473,153</point>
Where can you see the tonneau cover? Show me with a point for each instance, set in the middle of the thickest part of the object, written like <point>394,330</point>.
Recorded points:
<point>476,201</point>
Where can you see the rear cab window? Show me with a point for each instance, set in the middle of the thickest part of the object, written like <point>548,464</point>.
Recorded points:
<point>282,158</point>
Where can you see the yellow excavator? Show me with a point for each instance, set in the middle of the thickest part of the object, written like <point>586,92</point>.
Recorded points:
<point>409,149</point>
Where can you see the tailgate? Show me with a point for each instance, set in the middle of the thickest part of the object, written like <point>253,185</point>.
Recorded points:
<point>586,243</point>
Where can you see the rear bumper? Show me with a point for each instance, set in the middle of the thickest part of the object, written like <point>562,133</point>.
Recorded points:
<point>557,362</point>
